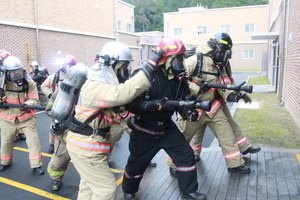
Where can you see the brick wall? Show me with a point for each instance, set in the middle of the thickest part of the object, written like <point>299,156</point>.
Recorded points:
<point>292,68</point>
<point>77,27</point>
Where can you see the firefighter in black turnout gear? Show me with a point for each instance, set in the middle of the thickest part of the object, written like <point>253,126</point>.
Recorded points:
<point>153,128</point>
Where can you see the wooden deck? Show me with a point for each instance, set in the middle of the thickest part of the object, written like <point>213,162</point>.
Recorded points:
<point>275,174</point>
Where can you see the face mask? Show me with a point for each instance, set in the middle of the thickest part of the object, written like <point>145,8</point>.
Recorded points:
<point>123,72</point>
<point>177,65</point>
<point>222,56</point>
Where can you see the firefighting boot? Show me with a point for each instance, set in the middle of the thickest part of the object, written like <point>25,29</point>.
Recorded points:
<point>197,158</point>
<point>152,164</point>
<point>195,196</point>
<point>55,185</point>
<point>243,169</point>
<point>173,172</point>
<point>4,167</point>
<point>129,196</point>
<point>38,170</point>
<point>252,150</point>
<point>51,148</point>
<point>21,136</point>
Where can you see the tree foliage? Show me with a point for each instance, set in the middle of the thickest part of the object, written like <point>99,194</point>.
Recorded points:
<point>148,14</point>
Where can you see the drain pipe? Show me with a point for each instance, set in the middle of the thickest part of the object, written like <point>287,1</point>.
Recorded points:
<point>116,20</point>
<point>37,31</point>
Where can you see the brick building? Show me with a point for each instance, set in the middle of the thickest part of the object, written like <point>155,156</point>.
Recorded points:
<point>284,53</point>
<point>265,37</point>
<point>196,25</point>
<point>43,30</point>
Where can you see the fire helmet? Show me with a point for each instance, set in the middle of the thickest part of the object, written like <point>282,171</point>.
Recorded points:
<point>114,52</point>
<point>14,68</point>
<point>220,40</point>
<point>172,45</point>
<point>68,61</point>
<point>4,53</point>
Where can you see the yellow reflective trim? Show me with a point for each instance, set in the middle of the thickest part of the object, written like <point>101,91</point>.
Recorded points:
<point>298,158</point>
<point>169,47</point>
<point>224,42</point>
<point>32,189</point>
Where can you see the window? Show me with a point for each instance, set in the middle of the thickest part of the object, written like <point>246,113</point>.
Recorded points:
<point>177,31</point>
<point>202,30</point>
<point>248,54</point>
<point>249,28</point>
<point>119,25</point>
<point>128,27</point>
<point>225,28</point>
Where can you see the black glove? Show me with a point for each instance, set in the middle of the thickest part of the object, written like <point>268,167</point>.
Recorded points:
<point>203,86</point>
<point>246,98</point>
<point>157,105</point>
<point>189,114</point>
<point>151,65</point>
<point>49,95</point>
<point>234,96</point>
<point>190,52</point>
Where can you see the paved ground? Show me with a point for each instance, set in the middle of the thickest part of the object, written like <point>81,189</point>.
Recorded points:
<point>275,174</point>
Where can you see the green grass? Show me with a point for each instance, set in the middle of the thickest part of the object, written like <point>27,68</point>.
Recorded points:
<point>269,126</point>
<point>258,80</point>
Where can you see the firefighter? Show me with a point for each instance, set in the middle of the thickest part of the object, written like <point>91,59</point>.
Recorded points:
<point>244,144</point>
<point>39,75</point>
<point>153,128</point>
<point>20,89</point>
<point>89,139</point>
<point>4,54</point>
<point>53,82</point>
<point>208,67</point>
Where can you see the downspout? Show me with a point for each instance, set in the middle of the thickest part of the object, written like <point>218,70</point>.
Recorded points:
<point>37,31</point>
<point>287,16</point>
<point>282,54</point>
<point>116,20</point>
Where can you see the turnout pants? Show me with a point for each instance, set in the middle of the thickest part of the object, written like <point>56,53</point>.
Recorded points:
<point>8,135</point>
<point>143,147</point>
<point>241,139</point>
<point>223,132</point>
<point>89,155</point>
<point>60,159</point>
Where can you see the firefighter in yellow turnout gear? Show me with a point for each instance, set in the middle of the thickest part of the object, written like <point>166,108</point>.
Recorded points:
<point>52,83</point>
<point>88,141</point>
<point>211,71</point>
<point>19,89</point>
<point>241,139</point>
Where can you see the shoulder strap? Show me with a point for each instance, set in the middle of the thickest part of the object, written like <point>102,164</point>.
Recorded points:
<point>198,69</point>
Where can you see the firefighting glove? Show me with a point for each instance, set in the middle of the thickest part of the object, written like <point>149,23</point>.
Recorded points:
<point>190,52</point>
<point>22,108</point>
<point>203,86</point>
<point>157,105</point>
<point>189,114</point>
<point>152,63</point>
<point>234,96</point>
<point>246,98</point>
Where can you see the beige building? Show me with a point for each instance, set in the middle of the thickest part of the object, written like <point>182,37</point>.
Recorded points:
<point>196,25</point>
<point>43,30</point>
<point>265,37</point>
